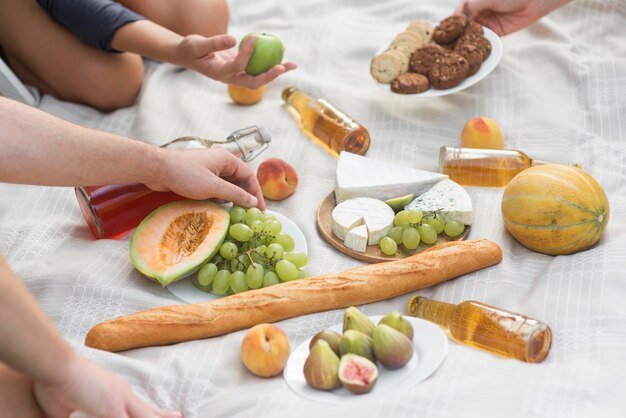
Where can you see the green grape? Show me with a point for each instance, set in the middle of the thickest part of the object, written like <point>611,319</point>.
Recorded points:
<point>286,270</point>
<point>256,257</point>
<point>415,216</point>
<point>273,227</point>
<point>411,238</point>
<point>388,246</point>
<point>261,249</point>
<point>217,259</point>
<point>254,276</point>
<point>436,221</point>
<point>427,233</point>
<point>257,226</point>
<point>302,274</point>
<point>253,214</point>
<point>395,234</point>
<point>238,282</point>
<point>221,282</point>
<point>268,217</point>
<point>285,241</point>
<point>244,260</point>
<point>206,274</point>
<point>275,251</point>
<point>270,278</point>
<point>401,217</point>
<point>405,225</point>
<point>228,250</point>
<point>297,258</point>
<point>241,232</point>
<point>454,229</point>
<point>237,215</point>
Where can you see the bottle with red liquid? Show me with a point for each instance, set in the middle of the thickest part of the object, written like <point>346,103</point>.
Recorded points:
<point>113,211</point>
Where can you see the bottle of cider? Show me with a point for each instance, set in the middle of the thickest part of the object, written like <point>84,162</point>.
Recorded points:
<point>113,211</point>
<point>484,167</point>
<point>487,328</point>
<point>325,124</point>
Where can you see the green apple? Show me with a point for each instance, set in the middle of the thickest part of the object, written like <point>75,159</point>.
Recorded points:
<point>268,52</point>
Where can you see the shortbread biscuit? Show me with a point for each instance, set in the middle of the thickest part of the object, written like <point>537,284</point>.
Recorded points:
<point>425,29</point>
<point>387,66</point>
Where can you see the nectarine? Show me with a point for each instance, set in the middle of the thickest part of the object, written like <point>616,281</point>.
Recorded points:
<point>265,350</point>
<point>245,96</point>
<point>278,179</point>
<point>482,132</point>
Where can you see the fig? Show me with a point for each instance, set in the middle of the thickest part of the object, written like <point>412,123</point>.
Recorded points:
<point>355,319</point>
<point>357,374</point>
<point>396,321</point>
<point>392,348</point>
<point>331,337</point>
<point>356,342</point>
<point>321,367</point>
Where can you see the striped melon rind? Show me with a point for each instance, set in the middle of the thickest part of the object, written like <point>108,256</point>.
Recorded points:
<point>555,209</point>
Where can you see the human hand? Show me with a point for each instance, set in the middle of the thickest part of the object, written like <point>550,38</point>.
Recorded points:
<point>214,58</point>
<point>93,391</point>
<point>507,16</point>
<point>204,174</point>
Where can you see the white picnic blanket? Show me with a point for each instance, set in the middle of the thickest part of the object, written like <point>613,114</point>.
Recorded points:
<point>559,94</point>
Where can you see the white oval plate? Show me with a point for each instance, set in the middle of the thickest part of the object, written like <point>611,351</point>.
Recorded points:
<point>186,291</point>
<point>488,66</point>
<point>429,342</point>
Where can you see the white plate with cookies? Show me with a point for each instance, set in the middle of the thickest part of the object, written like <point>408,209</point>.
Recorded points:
<point>392,59</point>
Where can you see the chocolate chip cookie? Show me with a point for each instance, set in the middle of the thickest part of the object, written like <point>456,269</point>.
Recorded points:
<point>475,28</point>
<point>448,71</point>
<point>472,54</point>
<point>449,30</point>
<point>410,83</point>
<point>388,65</point>
<point>423,58</point>
<point>478,41</point>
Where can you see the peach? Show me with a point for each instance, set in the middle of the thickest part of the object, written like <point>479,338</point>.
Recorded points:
<point>265,350</point>
<point>245,96</point>
<point>278,179</point>
<point>482,132</point>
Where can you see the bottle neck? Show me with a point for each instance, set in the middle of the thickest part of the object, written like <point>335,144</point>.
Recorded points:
<point>440,313</point>
<point>295,98</point>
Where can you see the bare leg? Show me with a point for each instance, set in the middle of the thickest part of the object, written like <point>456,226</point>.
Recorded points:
<point>49,57</point>
<point>185,17</point>
<point>16,396</point>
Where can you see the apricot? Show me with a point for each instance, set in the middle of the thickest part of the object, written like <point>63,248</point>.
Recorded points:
<point>278,179</point>
<point>265,350</point>
<point>482,132</point>
<point>245,96</point>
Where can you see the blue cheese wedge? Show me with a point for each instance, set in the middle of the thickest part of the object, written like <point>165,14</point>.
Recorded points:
<point>375,215</point>
<point>359,176</point>
<point>453,200</point>
<point>357,238</point>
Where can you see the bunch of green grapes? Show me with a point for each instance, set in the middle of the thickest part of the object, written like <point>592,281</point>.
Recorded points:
<point>254,254</point>
<point>410,227</point>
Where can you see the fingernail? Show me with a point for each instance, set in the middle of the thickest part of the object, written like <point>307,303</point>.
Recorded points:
<point>253,202</point>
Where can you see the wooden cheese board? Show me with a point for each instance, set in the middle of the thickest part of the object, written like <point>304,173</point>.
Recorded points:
<point>373,253</point>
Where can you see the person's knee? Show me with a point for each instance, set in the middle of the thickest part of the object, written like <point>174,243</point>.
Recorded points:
<point>117,84</point>
<point>206,17</point>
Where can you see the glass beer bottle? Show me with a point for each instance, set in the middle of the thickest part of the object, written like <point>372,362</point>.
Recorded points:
<point>484,167</point>
<point>114,210</point>
<point>326,125</point>
<point>487,328</point>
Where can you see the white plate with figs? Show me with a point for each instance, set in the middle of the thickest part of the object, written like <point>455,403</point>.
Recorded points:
<point>485,69</point>
<point>186,291</point>
<point>430,347</point>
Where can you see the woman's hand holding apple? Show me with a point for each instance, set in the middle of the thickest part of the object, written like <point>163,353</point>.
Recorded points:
<point>215,58</point>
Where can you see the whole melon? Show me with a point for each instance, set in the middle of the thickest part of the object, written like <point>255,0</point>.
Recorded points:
<point>555,209</point>
<point>177,239</point>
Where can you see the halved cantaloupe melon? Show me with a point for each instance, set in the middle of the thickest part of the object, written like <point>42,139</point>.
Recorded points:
<point>176,239</point>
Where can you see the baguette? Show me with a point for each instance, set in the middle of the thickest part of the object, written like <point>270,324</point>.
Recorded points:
<point>357,286</point>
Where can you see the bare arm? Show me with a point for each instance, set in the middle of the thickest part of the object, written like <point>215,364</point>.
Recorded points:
<point>38,148</point>
<point>507,16</point>
<point>210,56</point>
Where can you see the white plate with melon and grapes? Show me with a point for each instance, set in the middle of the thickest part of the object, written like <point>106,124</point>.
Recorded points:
<point>260,249</point>
<point>382,212</point>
